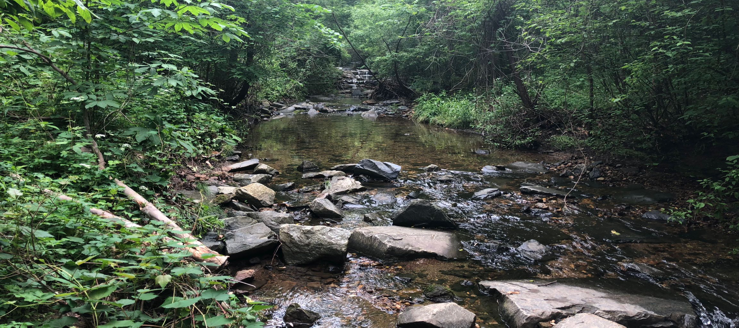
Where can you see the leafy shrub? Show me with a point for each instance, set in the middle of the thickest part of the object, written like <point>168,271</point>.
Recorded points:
<point>719,201</point>
<point>458,111</point>
<point>62,266</point>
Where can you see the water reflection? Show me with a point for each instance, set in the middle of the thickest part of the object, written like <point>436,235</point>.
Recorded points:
<point>338,139</point>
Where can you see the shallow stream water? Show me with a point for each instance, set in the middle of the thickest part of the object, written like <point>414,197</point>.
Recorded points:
<point>595,240</point>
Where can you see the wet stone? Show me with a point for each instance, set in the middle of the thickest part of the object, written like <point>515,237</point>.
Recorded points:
<point>256,194</point>
<point>374,219</point>
<point>442,315</point>
<point>324,174</point>
<point>432,168</point>
<point>534,189</point>
<point>378,170</point>
<point>532,250</point>
<point>272,219</point>
<point>343,185</point>
<point>392,242</point>
<point>253,240</point>
<point>297,317</point>
<point>238,222</point>
<point>348,168</point>
<point>265,169</point>
<point>246,179</point>
<point>655,215</point>
<point>308,166</point>
<point>245,165</point>
<point>438,294</point>
<point>487,193</point>
<point>306,244</point>
<point>324,208</point>
<point>212,241</point>
<point>284,186</point>
<point>587,320</point>
<point>525,304</point>
<point>422,213</point>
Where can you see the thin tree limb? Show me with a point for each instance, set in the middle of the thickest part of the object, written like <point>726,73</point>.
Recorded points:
<point>44,57</point>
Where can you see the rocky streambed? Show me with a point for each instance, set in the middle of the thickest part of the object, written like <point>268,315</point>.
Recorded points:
<point>380,222</point>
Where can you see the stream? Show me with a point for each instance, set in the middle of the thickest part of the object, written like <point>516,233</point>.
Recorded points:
<point>595,240</point>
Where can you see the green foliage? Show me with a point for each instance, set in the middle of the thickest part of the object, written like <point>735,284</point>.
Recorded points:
<point>62,265</point>
<point>458,111</point>
<point>720,200</point>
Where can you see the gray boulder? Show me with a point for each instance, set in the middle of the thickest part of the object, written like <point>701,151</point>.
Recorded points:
<point>343,185</point>
<point>442,315</point>
<point>348,168</point>
<point>308,166</point>
<point>378,170</point>
<point>422,213</point>
<point>655,215</point>
<point>532,250</point>
<point>265,169</point>
<point>226,190</point>
<point>587,320</point>
<point>524,167</point>
<point>256,194</point>
<point>252,240</point>
<point>238,222</point>
<point>305,244</point>
<point>391,242</point>
<point>245,165</point>
<point>272,219</point>
<point>535,189</point>
<point>324,208</point>
<point>297,317</point>
<point>431,168</point>
<point>212,241</point>
<point>324,174</point>
<point>246,179</point>
<point>284,186</point>
<point>525,304</point>
<point>487,193</point>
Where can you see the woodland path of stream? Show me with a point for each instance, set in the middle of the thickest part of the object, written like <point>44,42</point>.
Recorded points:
<point>600,239</point>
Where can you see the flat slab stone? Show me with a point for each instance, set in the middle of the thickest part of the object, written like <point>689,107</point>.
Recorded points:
<point>393,242</point>
<point>245,165</point>
<point>305,244</point>
<point>324,174</point>
<point>256,194</point>
<point>587,320</point>
<point>442,315</point>
<point>251,240</point>
<point>534,189</point>
<point>525,304</point>
<point>343,185</point>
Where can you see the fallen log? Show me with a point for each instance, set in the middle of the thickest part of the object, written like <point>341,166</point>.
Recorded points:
<point>196,248</point>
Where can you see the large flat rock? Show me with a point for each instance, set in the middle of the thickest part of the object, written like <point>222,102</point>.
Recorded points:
<point>525,304</point>
<point>442,315</point>
<point>587,320</point>
<point>393,242</point>
<point>305,244</point>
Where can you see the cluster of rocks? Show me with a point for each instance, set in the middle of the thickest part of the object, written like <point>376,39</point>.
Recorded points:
<point>356,82</point>
<point>421,228</point>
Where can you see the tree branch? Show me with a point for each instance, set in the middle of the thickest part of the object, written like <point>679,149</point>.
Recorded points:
<point>44,57</point>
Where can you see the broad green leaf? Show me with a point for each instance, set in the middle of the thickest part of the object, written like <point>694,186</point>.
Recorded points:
<point>146,296</point>
<point>182,303</point>
<point>218,295</point>
<point>122,323</point>
<point>186,270</point>
<point>101,291</point>
<point>217,321</point>
<point>163,280</point>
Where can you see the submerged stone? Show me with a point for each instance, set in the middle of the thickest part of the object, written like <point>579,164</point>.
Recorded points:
<point>297,317</point>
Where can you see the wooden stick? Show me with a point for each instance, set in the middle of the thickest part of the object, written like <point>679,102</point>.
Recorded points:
<point>196,247</point>
<point>198,250</point>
